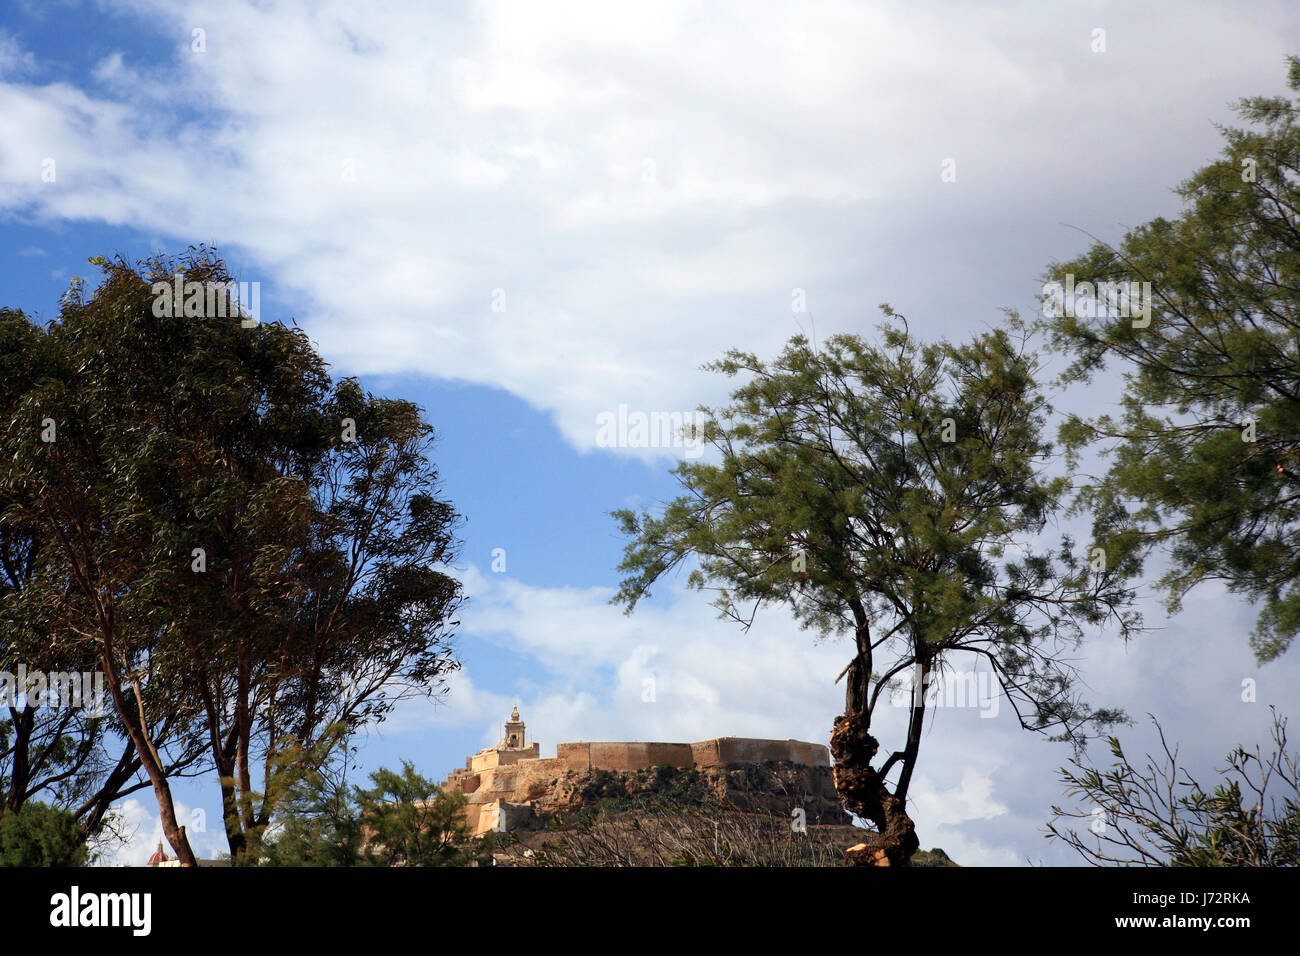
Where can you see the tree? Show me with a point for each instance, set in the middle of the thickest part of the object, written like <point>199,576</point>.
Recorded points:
<point>1205,456</point>
<point>1161,816</point>
<point>408,820</point>
<point>352,609</point>
<point>41,835</point>
<point>881,492</point>
<point>253,554</point>
<point>404,819</point>
<point>74,756</point>
<point>318,824</point>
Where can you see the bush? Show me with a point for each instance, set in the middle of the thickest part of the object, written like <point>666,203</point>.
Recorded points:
<point>41,835</point>
<point>1161,816</point>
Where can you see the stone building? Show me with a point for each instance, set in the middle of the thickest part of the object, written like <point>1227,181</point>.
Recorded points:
<point>503,784</point>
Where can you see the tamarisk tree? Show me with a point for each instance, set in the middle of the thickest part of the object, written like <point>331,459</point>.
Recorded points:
<point>892,494</point>
<point>1203,461</point>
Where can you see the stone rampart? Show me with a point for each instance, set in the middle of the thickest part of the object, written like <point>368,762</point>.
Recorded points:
<point>501,785</point>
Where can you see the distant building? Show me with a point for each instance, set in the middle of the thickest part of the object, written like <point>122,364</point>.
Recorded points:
<point>513,739</point>
<point>160,858</point>
<point>506,783</point>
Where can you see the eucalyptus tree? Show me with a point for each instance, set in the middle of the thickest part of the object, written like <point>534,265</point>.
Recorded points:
<point>894,494</point>
<point>69,753</point>
<point>254,554</point>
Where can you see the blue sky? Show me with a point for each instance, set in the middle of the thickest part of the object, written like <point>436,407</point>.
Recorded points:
<point>641,187</point>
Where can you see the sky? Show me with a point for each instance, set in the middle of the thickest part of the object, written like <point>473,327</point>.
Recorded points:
<point>527,216</point>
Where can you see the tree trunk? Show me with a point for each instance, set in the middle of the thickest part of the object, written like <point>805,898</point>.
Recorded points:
<point>19,773</point>
<point>139,735</point>
<point>235,837</point>
<point>223,759</point>
<point>243,734</point>
<point>865,793</point>
<point>914,727</point>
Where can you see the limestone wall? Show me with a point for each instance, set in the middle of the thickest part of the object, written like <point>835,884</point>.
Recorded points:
<point>485,759</point>
<point>499,777</point>
<point>500,769</point>
<point>748,750</point>
<point>624,755</point>
<point>718,752</point>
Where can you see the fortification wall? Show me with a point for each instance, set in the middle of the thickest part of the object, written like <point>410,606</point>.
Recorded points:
<point>630,755</point>
<point>624,756</point>
<point>486,759</point>
<point>722,751</point>
<point>507,770</point>
<point>517,778</point>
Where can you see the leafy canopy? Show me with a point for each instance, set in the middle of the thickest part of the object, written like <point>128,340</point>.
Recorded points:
<point>1204,456</point>
<point>895,492</point>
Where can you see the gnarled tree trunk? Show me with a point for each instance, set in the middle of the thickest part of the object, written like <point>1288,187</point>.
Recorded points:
<point>865,793</point>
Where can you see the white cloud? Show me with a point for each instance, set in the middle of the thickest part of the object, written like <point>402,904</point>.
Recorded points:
<point>465,703</point>
<point>944,810</point>
<point>140,826</point>
<point>670,672</point>
<point>647,186</point>
<point>14,60</point>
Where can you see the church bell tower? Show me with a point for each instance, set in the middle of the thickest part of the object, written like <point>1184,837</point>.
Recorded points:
<point>514,737</point>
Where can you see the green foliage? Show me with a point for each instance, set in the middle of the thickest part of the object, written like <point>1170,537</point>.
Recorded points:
<point>897,494</point>
<point>1159,815</point>
<point>408,820</point>
<point>319,595</point>
<point>62,754</point>
<point>1222,350</point>
<point>41,835</point>
<point>404,819</point>
<point>317,823</point>
<point>603,785</point>
<point>612,790</point>
<point>679,786</point>
<point>894,493</point>
<point>932,858</point>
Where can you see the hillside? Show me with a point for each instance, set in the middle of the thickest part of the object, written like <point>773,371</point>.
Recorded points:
<point>739,816</point>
